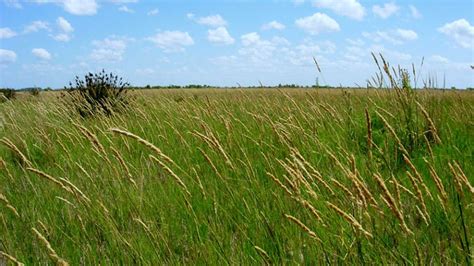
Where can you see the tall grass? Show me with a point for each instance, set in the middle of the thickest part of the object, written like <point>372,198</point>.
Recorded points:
<point>240,177</point>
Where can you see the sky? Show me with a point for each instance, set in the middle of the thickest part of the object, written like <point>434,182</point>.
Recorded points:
<point>47,43</point>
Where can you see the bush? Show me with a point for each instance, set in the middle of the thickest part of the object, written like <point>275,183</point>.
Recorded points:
<point>34,91</point>
<point>98,93</point>
<point>9,94</point>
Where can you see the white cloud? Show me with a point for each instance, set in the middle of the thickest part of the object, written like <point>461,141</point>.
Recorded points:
<point>145,71</point>
<point>6,33</point>
<point>65,30</point>
<point>397,36</point>
<point>356,42</point>
<point>172,41</point>
<point>414,12</point>
<point>250,38</point>
<point>406,35</point>
<point>75,7</point>
<point>109,49</point>
<point>41,53</point>
<point>298,2</point>
<point>461,31</point>
<point>349,8</point>
<point>220,35</point>
<point>123,1</point>
<point>126,9</point>
<point>13,3</point>
<point>36,26</point>
<point>273,25</point>
<point>190,15</point>
<point>80,7</point>
<point>438,59</point>
<point>7,56</point>
<point>64,25</point>
<point>317,23</point>
<point>62,37</point>
<point>385,11</point>
<point>212,21</point>
<point>390,55</point>
<point>258,51</point>
<point>153,12</point>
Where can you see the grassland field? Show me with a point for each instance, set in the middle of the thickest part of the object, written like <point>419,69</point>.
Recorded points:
<point>240,176</point>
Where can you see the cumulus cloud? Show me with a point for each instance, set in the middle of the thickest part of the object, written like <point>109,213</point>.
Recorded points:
<point>397,36</point>
<point>212,21</point>
<point>75,7</point>
<point>172,41</point>
<point>36,26</point>
<point>317,23</point>
<point>385,11</point>
<point>109,49</point>
<point>41,53</point>
<point>126,9</point>
<point>414,12</point>
<point>7,56</point>
<point>64,25</point>
<point>153,12</point>
<point>6,33</point>
<point>273,25</point>
<point>259,51</point>
<point>123,1</point>
<point>461,31</point>
<point>438,59</point>
<point>349,8</point>
<point>13,3</point>
<point>220,35</point>
<point>65,30</point>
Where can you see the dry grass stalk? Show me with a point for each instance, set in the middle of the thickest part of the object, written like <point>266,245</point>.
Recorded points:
<point>303,226</point>
<point>315,174</point>
<point>369,134</point>
<point>169,171</point>
<point>15,149</point>
<point>124,165</point>
<point>431,124</point>
<point>419,195</point>
<point>263,254</point>
<point>144,142</point>
<point>285,188</point>
<point>350,219</point>
<point>313,210</point>
<point>77,192</point>
<point>392,131</point>
<point>456,179</point>
<point>201,187</point>
<point>391,203</point>
<point>11,258</point>
<point>92,138</point>
<point>341,186</point>
<point>439,183</point>
<point>418,176</point>
<point>208,159</point>
<point>213,142</point>
<point>52,254</point>
<point>50,178</point>
<point>8,205</point>
<point>462,177</point>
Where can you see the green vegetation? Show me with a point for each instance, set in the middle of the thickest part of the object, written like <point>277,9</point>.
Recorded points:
<point>101,92</point>
<point>257,176</point>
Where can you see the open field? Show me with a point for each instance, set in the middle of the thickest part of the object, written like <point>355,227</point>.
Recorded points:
<point>240,177</point>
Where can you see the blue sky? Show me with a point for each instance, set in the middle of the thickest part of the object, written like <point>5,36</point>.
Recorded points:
<point>49,42</point>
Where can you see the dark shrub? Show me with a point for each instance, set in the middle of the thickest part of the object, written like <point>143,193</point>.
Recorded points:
<point>98,93</point>
<point>34,91</point>
<point>10,94</point>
